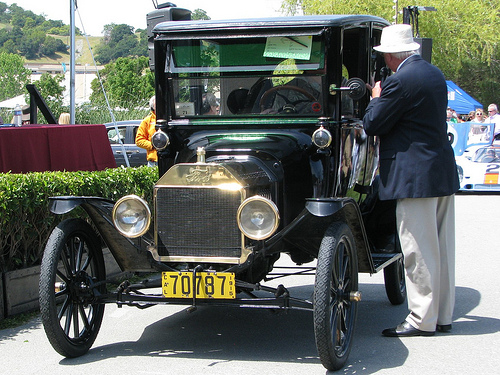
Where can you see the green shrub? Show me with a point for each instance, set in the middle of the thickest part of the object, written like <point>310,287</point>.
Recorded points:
<point>25,220</point>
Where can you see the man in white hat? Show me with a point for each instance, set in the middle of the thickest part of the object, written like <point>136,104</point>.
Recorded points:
<point>418,170</point>
<point>494,118</point>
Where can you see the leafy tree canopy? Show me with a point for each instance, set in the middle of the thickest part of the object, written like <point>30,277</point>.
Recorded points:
<point>13,75</point>
<point>199,14</point>
<point>464,32</point>
<point>128,82</point>
<point>51,89</point>
<point>25,33</point>
<point>120,41</point>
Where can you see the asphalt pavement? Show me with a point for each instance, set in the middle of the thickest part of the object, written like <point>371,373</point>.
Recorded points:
<point>216,340</point>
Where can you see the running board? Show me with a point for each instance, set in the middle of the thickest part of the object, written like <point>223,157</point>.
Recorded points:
<point>382,260</point>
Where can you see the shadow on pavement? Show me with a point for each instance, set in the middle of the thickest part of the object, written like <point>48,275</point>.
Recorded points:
<point>235,334</point>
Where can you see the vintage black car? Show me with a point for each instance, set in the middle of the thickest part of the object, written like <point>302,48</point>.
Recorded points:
<point>262,154</point>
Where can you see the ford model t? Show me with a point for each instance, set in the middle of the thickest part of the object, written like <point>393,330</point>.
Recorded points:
<point>262,154</point>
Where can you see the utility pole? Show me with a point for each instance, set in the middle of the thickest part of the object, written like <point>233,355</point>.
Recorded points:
<point>72,63</point>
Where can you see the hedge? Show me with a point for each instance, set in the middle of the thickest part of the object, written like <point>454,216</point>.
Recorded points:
<point>25,220</point>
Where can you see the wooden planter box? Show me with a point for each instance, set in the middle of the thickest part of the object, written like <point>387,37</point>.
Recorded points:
<point>19,292</point>
<point>2,311</point>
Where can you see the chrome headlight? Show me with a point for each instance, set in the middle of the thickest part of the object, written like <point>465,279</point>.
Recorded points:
<point>321,137</point>
<point>258,218</point>
<point>131,216</point>
<point>160,140</point>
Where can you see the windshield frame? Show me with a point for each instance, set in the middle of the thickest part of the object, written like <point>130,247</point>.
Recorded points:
<point>195,74</point>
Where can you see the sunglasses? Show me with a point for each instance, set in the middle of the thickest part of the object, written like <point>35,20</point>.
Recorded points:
<point>478,114</point>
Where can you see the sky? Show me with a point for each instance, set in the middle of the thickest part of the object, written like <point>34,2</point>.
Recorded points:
<point>95,14</point>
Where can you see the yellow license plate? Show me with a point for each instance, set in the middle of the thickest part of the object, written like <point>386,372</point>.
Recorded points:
<point>207,285</point>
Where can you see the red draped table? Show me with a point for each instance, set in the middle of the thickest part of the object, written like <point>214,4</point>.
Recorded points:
<point>39,148</point>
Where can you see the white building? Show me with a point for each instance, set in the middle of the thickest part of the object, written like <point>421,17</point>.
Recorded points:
<point>84,74</point>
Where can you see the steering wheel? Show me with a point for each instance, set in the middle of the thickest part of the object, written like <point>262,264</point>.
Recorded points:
<point>289,107</point>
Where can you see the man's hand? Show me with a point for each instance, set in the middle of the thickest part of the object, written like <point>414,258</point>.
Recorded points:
<point>376,90</point>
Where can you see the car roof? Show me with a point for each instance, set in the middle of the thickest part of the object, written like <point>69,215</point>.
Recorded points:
<point>318,21</point>
<point>124,122</point>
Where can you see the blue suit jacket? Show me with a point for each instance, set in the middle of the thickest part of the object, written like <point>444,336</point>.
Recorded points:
<point>416,158</point>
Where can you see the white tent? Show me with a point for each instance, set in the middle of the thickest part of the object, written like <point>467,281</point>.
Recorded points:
<point>12,102</point>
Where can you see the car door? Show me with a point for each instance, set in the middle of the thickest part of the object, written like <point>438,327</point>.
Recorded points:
<point>127,131</point>
<point>136,155</point>
<point>115,135</point>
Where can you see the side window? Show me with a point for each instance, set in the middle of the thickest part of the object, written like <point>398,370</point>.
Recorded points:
<point>114,137</point>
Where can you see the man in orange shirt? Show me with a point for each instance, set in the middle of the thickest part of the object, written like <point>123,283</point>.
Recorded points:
<point>146,130</point>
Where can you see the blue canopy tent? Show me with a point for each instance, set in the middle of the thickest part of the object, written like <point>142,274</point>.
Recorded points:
<point>460,101</point>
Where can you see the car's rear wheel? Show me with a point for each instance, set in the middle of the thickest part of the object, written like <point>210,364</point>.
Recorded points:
<point>335,293</point>
<point>72,264</point>
<point>395,284</point>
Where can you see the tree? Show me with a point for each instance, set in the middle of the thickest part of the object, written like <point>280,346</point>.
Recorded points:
<point>26,33</point>
<point>9,47</point>
<point>119,41</point>
<point>464,32</point>
<point>13,75</point>
<point>127,81</point>
<point>199,14</point>
<point>51,90</point>
<point>4,17</point>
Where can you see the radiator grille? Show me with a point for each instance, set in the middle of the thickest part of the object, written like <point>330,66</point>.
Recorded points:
<point>198,222</point>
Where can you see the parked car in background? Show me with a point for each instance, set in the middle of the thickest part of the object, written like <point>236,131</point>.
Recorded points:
<point>479,170</point>
<point>126,133</point>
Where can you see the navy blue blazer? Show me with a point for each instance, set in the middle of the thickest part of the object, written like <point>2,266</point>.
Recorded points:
<point>416,158</point>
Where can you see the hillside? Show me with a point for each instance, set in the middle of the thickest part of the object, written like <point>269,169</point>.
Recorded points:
<point>82,52</point>
<point>43,41</point>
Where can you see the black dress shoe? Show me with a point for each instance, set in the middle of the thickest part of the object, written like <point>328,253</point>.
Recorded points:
<point>405,329</point>
<point>443,327</point>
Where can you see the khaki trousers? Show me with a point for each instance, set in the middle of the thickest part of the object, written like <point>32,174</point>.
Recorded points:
<point>426,228</point>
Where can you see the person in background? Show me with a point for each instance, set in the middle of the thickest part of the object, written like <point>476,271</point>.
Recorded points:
<point>418,170</point>
<point>1,120</point>
<point>450,115</point>
<point>64,118</point>
<point>210,105</point>
<point>494,118</point>
<point>478,116</point>
<point>146,130</point>
<point>456,116</point>
<point>26,115</point>
<point>471,115</point>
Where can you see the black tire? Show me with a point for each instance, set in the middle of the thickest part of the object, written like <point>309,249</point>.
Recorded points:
<point>334,309</point>
<point>73,261</point>
<point>394,280</point>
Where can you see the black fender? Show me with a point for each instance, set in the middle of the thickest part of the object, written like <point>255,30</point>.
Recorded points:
<point>130,254</point>
<point>307,230</point>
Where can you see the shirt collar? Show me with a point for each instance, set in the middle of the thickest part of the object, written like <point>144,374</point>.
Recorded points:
<point>400,65</point>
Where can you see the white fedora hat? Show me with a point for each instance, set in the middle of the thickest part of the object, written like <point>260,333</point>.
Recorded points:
<point>397,38</point>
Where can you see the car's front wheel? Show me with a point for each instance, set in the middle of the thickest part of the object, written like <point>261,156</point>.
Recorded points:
<point>335,296</point>
<point>71,271</point>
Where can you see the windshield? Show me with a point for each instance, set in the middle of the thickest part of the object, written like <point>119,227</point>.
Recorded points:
<point>487,155</point>
<point>247,76</point>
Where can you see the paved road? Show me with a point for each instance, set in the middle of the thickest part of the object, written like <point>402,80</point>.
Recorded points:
<point>166,340</point>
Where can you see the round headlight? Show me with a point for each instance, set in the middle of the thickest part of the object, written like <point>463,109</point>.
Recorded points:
<point>160,140</point>
<point>258,218</point>
<point>322,137</point>
<point>131,216</point>
<point>460,171</point>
